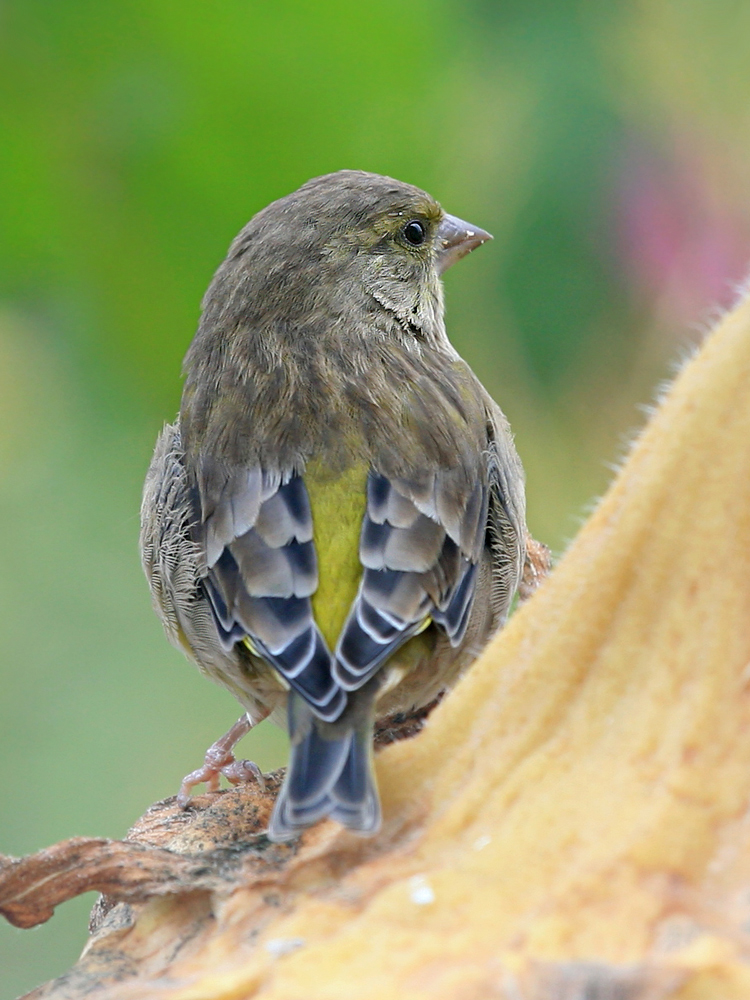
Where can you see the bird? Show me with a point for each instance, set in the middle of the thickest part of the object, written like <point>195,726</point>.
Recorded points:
<point>334,526</point>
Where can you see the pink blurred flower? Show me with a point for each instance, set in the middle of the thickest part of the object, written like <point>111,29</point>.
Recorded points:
<point>683,241</point>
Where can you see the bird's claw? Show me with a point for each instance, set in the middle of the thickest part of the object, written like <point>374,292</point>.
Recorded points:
<point>235,771</point>
<point>240,771</point>
<point>220,760</point>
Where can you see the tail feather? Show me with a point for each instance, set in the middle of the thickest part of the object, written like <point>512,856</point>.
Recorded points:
<point>315,765</point>
<point>330,775</point>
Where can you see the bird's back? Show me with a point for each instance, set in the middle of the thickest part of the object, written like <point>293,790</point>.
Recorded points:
<point>356,502</point>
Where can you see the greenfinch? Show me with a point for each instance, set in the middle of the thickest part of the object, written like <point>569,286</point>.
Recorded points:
<point>335,525</point>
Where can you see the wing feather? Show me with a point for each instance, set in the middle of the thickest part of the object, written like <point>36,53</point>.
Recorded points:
<point>256,529</point>
<point>421,568</point>
<point>423,538</point>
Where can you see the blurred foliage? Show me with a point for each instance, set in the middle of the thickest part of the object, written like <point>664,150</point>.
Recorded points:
<point>605,146</point>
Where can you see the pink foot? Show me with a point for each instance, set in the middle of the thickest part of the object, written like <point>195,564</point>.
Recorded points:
<point>220,760</point>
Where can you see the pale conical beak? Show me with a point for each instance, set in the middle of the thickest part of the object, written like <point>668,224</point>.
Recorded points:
<point>456,238</point>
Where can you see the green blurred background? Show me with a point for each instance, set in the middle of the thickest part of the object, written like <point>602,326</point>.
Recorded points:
<point>605,145</point>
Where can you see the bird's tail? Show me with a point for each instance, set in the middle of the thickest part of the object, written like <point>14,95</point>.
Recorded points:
<point>330,774</point>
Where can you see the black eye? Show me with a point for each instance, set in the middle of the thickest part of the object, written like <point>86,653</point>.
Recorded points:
<point>414,233</point>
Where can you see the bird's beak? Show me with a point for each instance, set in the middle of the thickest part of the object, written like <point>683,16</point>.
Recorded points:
<point>456,238</point>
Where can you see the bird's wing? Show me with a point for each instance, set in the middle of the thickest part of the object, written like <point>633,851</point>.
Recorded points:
<point>506,515</point>
<point>255,528</point>
<point>421,542</point>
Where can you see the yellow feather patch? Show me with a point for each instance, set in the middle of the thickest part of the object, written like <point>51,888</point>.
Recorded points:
<point>425,624</point>
<point>250,645</point>
<point>338,502</point>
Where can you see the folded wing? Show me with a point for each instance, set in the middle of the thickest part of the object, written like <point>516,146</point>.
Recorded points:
<point>420,547</point>
<point>255,527</point>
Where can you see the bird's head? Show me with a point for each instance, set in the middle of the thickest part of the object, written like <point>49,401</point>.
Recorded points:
<point>344,241</point>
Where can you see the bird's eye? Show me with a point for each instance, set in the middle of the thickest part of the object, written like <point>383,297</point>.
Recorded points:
<point>414,233</point>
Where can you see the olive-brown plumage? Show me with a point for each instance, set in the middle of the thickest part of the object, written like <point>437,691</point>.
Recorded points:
<point>335,525</point>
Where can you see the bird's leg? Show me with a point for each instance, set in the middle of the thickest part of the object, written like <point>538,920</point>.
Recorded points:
<point>219,760</point>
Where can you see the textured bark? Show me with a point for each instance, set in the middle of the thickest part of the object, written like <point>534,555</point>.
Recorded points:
<point>571,824</point>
